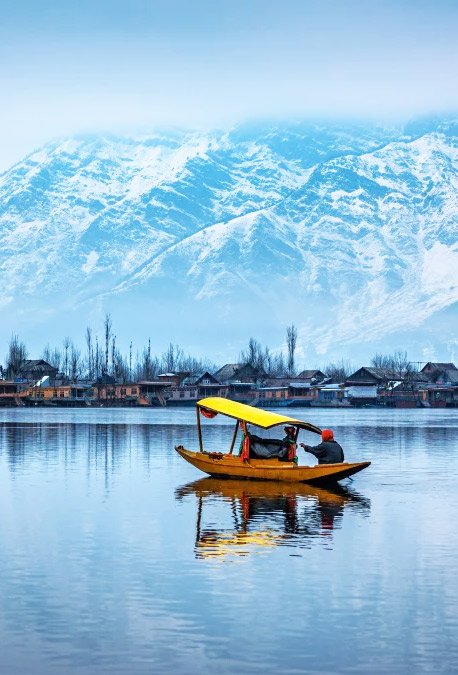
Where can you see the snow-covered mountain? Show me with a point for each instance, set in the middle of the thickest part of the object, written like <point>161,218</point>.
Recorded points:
<point>349,231</point>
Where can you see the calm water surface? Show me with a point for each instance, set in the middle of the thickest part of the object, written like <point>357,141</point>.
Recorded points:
<point>117,557</point>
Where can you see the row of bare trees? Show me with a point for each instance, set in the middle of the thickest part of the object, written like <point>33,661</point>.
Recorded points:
<point>103,356</point>
<point>398,363</point>
<point>273,364</point>
<point>279,364</point>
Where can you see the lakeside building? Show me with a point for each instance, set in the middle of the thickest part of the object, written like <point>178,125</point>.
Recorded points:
<point>311,376</point>
<point>442,388</point>
<point>37,369</point>
<point>195,387</point>
<point>63,395</point>
<point>240,373</point>
<point>435,385</point>
<point>12,393</point>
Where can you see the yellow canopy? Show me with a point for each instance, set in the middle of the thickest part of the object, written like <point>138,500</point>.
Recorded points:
<point>256,416</point>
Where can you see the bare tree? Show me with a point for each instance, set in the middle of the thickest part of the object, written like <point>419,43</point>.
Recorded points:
<point>268,361</point>
<point>254,351</point>
<point>172,359</point>
<point>46,354</point>
<point>75,363</point>
<point>291,340</point>
<point>90,354</point>
<point>397,363</point>
<point>338,371</point>
<point>279,366</point>
<point>382,361</point>
<point>146,367</point>
<point>107,326</point>
<point>253,355</point>
<point>56,358</point>
<point>120,368</point>
<point>67,343</point>
<point>113,353</point>
<point>401,364</point>
<point>52,356</point>
<point>97,359</point>
<point>17,354</point>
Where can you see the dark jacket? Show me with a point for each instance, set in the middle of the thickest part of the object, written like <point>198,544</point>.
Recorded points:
<point>328,452</point>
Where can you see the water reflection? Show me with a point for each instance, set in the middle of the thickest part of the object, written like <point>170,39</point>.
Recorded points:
<point>265,515</point>
<point>102,443</point>
<point>108,566</point>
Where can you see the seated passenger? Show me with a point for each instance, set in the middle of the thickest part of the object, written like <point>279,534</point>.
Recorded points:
<point>328,451</point>
<point>267,448</point>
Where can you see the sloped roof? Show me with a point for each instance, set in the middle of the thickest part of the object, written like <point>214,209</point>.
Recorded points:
<point>195,379</point>
<point>440,366</point>
<point>232,371</point>
<point>380,374</point>
<point>36,363</point>
<point>418,376</point>
<point>247,370</point>
<point>227,371</point>
<point>449,375</point>
<point>309,374</point>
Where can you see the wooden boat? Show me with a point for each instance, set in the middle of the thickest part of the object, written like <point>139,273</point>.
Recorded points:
<point>228,465</point>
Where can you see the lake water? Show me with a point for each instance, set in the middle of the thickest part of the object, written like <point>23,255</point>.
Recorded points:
<point>118,557</point>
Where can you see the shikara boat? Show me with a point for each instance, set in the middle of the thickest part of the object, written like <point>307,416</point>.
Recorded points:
<point>242,465</point>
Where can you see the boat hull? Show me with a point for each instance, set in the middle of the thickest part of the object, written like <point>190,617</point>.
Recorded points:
<point>230,466</point>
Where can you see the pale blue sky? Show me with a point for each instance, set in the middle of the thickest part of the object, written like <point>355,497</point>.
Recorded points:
<point>67,67</point>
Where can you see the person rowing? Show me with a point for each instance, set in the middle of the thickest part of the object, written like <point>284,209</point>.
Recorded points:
<point>328,451</point>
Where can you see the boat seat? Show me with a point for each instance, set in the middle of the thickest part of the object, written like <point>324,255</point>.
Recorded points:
<point>267,448</point>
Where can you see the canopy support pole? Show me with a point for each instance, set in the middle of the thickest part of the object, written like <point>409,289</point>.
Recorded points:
<point>199,430</point>
<point>234,436</point>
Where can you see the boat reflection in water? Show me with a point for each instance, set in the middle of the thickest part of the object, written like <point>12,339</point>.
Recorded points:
<point>238,518</point>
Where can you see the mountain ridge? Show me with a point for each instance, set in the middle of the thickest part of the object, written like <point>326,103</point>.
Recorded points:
<point>238,224</point>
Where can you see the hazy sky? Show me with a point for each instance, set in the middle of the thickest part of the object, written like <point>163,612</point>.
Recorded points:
<point>67,67</point>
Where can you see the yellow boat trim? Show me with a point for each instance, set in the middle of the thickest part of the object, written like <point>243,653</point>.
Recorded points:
<point>247,413</point>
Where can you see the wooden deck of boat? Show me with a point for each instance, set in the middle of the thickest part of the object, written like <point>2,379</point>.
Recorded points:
<point>231,466</point>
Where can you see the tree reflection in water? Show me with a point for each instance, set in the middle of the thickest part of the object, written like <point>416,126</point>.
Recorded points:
<point>264,515</point>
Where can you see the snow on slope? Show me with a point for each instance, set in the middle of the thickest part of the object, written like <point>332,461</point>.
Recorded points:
<point>382,248</point>
<point>351,231</point>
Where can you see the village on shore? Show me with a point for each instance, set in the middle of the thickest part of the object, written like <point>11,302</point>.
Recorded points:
<point>38,383</point>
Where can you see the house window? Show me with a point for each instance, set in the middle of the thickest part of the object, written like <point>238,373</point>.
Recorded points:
<point>133,391</point>
<point>62,394</point>
<point>123,392</point>
<point>181,394</point>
